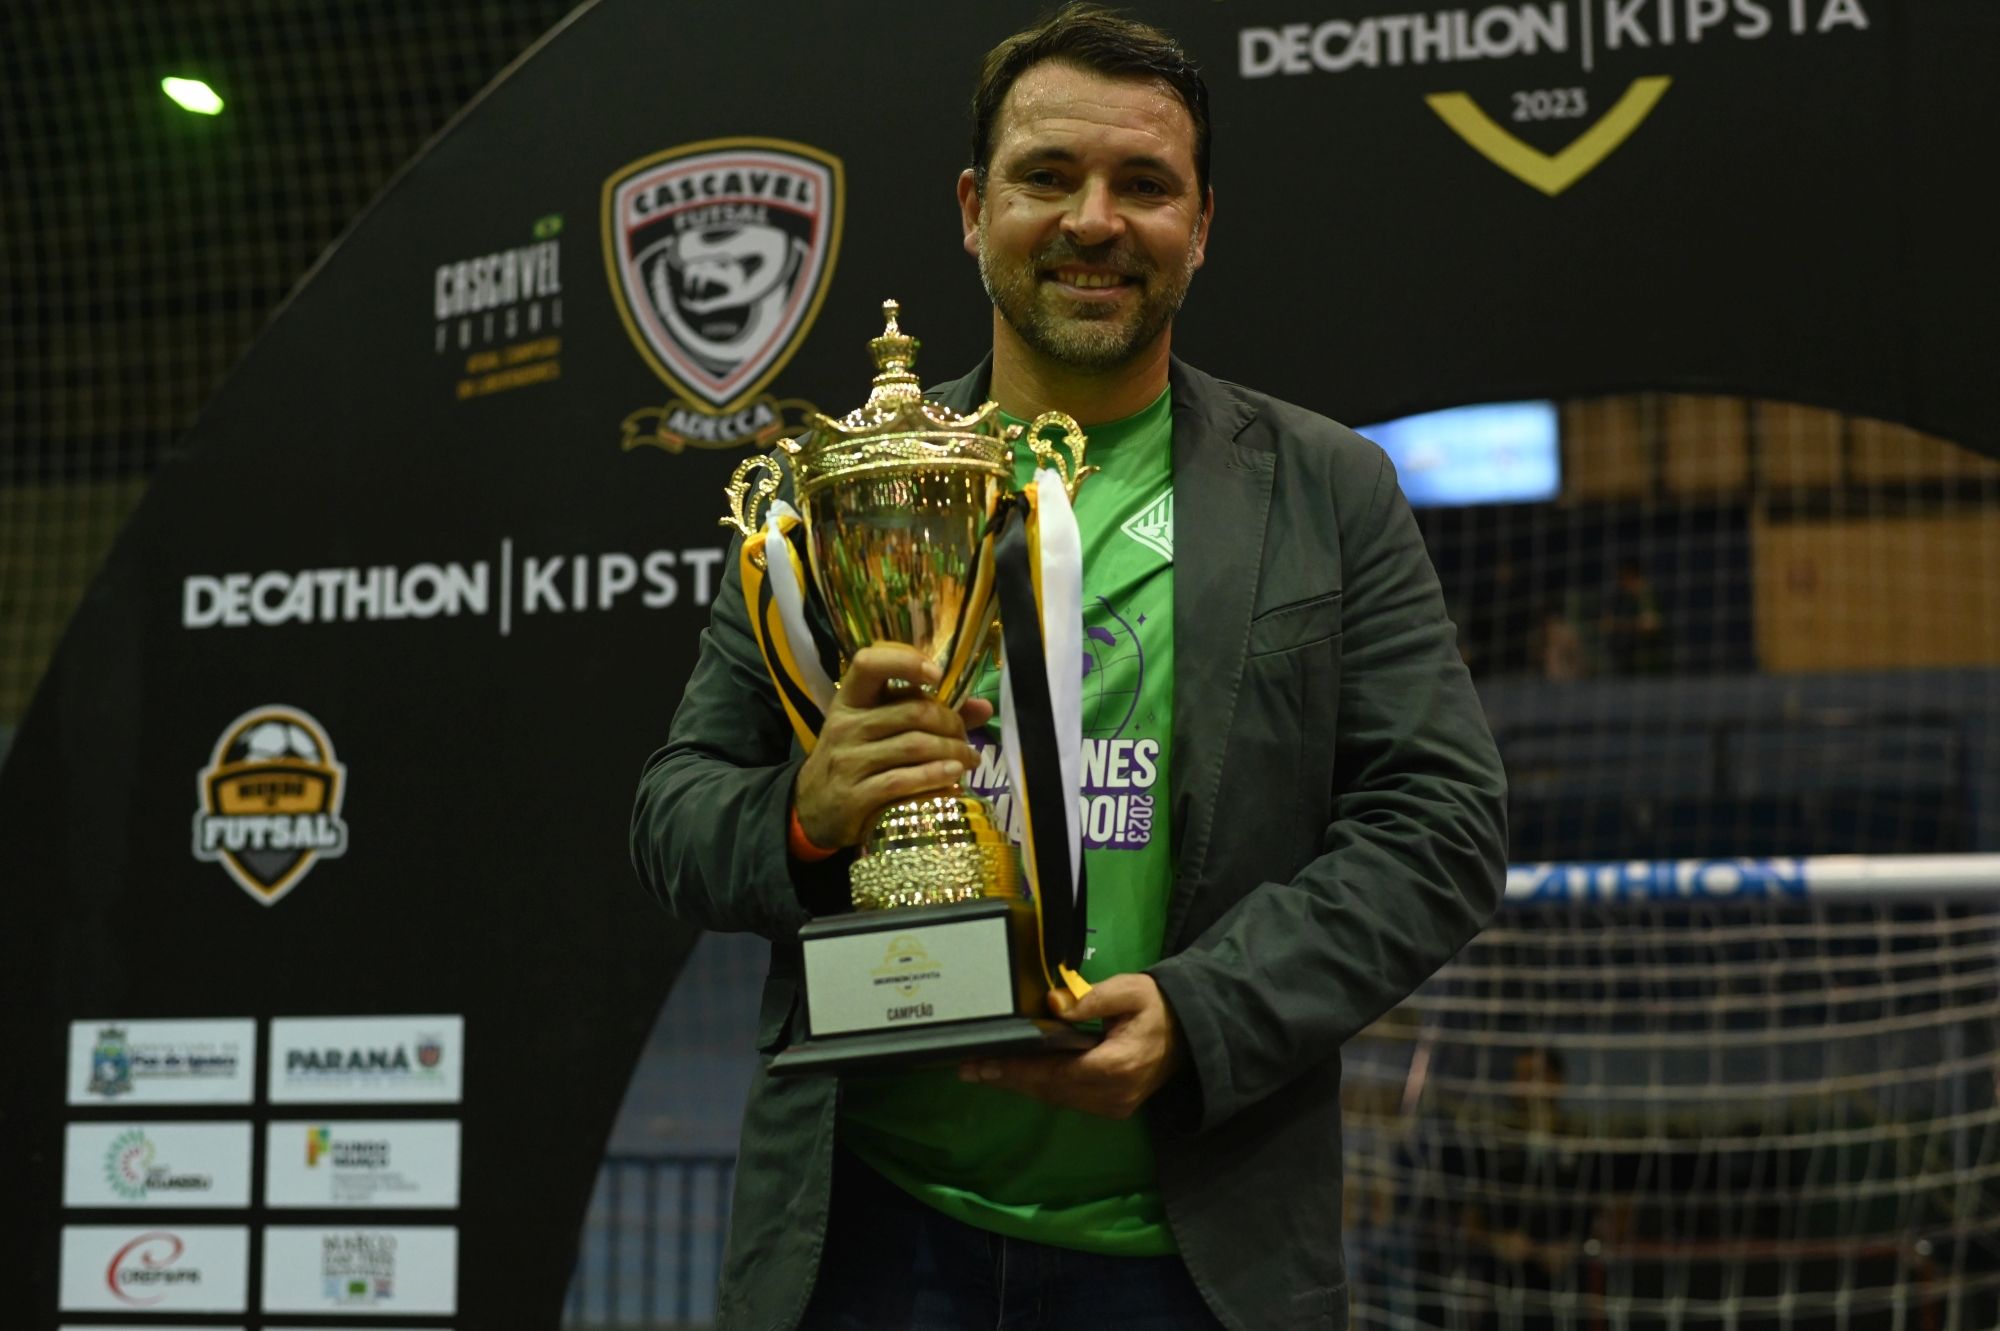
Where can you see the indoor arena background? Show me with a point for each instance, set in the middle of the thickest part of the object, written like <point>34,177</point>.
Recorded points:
<point>1727,1058</point>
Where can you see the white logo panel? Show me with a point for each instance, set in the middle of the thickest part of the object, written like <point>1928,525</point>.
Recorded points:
<point>156,1164</point>
<point>167,1268</point>
<point>390,1163</point>
<point>367,1060</point>
<point>367,1271</point>
<point>912,976</point>
<point>162,1062</point>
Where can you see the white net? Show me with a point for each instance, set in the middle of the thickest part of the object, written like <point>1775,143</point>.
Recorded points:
<point>1769,1113</point>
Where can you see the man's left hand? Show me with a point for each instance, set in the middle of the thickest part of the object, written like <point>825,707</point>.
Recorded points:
<point>1140,1050</point>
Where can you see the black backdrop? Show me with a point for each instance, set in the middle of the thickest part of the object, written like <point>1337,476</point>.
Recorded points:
<point>1801,215</point>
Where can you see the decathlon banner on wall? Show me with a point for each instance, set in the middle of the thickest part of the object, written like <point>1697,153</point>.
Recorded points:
<point>316,829</point>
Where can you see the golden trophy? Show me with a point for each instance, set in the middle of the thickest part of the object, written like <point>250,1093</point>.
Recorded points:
<point>905,513</point>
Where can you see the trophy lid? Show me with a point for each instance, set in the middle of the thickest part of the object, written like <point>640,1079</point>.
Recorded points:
<point>897,426</point>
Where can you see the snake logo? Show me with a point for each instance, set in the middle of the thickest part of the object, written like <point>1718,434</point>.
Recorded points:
<point>719,254</point>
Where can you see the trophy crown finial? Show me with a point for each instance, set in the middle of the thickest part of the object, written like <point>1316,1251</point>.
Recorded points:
<point>897,428</point>
<point>894,352</point>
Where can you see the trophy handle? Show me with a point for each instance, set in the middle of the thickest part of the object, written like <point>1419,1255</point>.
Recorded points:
<point>1070,467</point>
<point>748,503</point>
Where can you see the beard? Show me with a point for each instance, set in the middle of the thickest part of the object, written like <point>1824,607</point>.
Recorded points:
<point>1084,335</point>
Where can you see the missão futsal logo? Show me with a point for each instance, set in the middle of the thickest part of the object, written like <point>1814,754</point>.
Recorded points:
<point>270,801</point>
<point>719,254</point>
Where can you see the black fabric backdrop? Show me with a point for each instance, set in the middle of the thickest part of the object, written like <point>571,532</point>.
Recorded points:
<point>1802,215</point>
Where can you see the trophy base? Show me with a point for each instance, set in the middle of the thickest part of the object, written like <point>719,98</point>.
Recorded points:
<point>918,985</point>
<point>839,1055</point>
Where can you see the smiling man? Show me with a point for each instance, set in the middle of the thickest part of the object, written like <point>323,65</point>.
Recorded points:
<point>1295,812</point>
<point>1088,213</point>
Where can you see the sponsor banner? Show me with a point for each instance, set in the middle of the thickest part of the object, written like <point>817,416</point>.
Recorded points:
<point>1659,880</point>
<point>162,1269</point>
<point>268,803</point>
<point>367,1060</point>
<point>1546,91</point>
<point>389,1163</point>
<point>512,586</point>
<point>162,1062</point>
<point>370,1271</point>
<point>156,1164</point>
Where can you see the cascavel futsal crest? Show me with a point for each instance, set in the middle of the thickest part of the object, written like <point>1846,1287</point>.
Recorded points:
<point>719,254</point>
<point>270,801</point>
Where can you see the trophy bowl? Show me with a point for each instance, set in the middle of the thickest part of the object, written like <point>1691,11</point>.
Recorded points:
<point>897,531</point>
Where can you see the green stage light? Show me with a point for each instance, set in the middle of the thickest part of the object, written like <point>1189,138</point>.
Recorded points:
<point>192,95</point>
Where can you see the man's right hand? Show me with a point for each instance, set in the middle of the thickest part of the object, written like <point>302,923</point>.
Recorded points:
<point>879,745</point>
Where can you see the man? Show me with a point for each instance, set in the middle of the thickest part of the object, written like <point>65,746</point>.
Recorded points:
<point>1322,824</point>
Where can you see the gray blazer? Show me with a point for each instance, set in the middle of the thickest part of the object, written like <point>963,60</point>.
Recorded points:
<point>1338,833</point>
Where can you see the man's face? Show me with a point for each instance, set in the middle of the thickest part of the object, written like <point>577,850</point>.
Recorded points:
<point>1091,225</point>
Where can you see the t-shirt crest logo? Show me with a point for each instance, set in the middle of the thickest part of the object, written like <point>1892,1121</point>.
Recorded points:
<point>270,801</point>
<point>1153,526</point>
<point>719,254</point>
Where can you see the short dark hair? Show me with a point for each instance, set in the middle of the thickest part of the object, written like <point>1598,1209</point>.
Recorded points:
<point>1098,40</point>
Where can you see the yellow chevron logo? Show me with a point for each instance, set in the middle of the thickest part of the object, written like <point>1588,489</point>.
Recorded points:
<point>1549,174</point>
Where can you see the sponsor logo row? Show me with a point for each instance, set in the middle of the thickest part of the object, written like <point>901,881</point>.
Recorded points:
<point>313,1060</point>
<point>1582,29</point>
<point>307,1269</point>
<point>402,1164</point>
<point>503,589</point>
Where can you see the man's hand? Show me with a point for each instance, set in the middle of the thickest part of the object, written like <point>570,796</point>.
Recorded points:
<point>880,744</point>
<point>1139,1052</point>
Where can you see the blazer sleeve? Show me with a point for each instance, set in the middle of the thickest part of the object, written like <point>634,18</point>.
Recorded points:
<point>1412,862</point>
<point>713,806</point>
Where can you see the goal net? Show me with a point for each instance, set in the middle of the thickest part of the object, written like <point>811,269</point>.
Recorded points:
<point>1753,1095</point>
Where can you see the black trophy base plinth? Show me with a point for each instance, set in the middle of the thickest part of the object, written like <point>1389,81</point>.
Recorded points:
<point>883,1051</point>
<point>923,985</point>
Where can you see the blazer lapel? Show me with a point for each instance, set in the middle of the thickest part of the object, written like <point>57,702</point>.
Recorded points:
<point>1222,501</point>
<point>962,395</point>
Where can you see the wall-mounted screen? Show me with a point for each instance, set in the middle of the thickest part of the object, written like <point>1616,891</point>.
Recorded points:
<point>1494,453</point>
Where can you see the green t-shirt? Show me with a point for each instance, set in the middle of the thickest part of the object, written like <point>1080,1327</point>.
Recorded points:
<point>991,1158</point>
